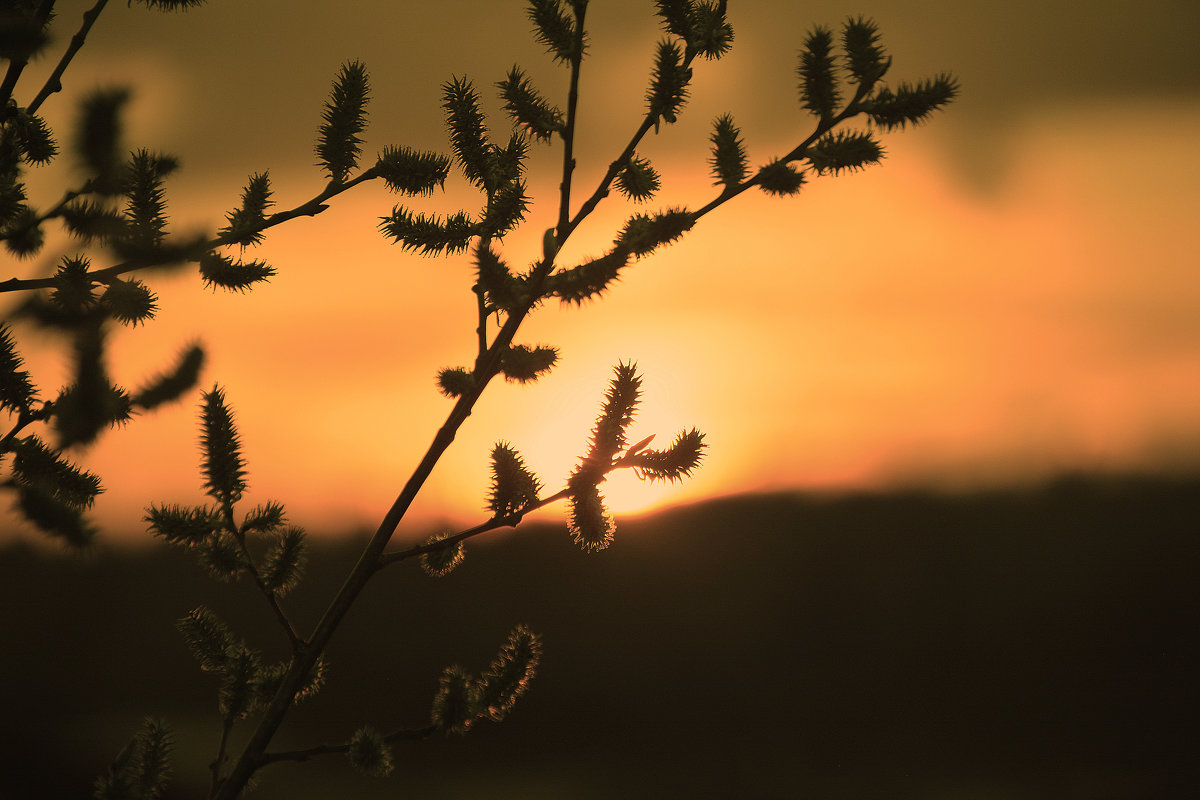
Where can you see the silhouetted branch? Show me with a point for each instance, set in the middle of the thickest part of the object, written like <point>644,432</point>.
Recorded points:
<point>54,82</point>
<point>341,749</point>
<point>508,521</point>
<point>309,208</point>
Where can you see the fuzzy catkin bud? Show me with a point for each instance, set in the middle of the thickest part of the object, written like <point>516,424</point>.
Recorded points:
<point>843,150</point>
<point>818,86</point>
<point>638,181</point>
<point>590,525</point>
<point>369,753</point>
<point>223,467</point>
<point>514,487</point>
<point>456,704</point>
<point>171,385</point>
<point>865,59</point>
<point>440,562</point>
<point>781,179</point>
<point>244,224</point>
<point>345,117</point>
<point>728,160</point>
<point>507,678</point>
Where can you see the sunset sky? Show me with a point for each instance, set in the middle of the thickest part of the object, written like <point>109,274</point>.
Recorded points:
<point>1014,293</point>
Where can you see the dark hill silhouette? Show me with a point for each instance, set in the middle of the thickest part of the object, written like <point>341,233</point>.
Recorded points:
<point>1029,644</point>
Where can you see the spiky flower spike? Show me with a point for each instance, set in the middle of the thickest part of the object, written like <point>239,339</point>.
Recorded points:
<point>780,178</point>
<point>909,104</point>
<point>456,704</point>
<point>865,59</point>
<point>283,565</point>
<point>224,469</point>
<point>208,638</point>
<point>514,487</point>
<point>16,388</point>
<point>369,753</point>
<point>525,364</point>
<point>675,463</point>
<point>170,386</point>
<point>183,527</point>
<point>554,29</point>
<point>98,138</point>
<point>38,466</point>
<point>129,301</point>
<point>639,180</point>
<point>509,674</point>
<point>440,562</point>
<point>620,404</point>
<point>590,525</point>
<point>245,223</point>
<point>818,85</point>
<point>146,205</point>
<point>502,287</point>
<point>728,158</point>
<point>430,235</point>
<point>455,381</point>
<point>645,233</point>
<point>468,132</point>
<point>843,150</point>
<point>338,144</point>
<point>142,769</point>
<point>528,108</point>
<point>411,172</point>
<point>233,276</point>
<point>668,83</point>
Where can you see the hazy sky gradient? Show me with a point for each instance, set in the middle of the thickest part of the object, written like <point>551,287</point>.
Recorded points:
<point>1013,293</point>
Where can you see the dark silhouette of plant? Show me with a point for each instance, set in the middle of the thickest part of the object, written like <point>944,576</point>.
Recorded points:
<point>118,212</point>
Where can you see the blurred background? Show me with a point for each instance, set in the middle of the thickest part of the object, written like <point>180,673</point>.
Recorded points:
<point>897,371</point>
<point>1010,295</point>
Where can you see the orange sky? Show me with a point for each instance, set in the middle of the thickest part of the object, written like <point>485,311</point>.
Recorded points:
<point>1012,294</point>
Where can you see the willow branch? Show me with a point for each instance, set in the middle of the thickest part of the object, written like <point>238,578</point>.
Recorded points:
<point>564,205</point>
<point>215,766</point>
<point>17,65</point>
<point>614,169</point>
<point>495,523</point>
<point>796,153</point>
<point>309,208</point>
<point>335,749</point>
<point>54,82</point>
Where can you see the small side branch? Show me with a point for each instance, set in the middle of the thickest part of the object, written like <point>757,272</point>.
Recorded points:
<point>336,749</point>
<point>309,208</point>
<point>564,205</point>
<point>215,766</point>
<point>54,82</point>
<point>495,523</point>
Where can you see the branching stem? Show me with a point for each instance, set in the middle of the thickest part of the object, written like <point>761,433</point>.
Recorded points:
<point>54,82</point>
<point>335,749</point>
<point>564,205</point>
<point>309,208</point>
<point>226,729</point>
<point>495,523</point>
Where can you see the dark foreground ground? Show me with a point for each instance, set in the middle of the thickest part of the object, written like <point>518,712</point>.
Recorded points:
<point>1042,644</point>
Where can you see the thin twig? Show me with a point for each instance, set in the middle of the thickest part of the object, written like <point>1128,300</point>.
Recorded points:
<point>334,749</point>
<point>495,523</point>
<point>620,163</point>
<point>54,82</point>
<point>309,208</point>
<point>17,65</point>
<point>564,205</point>
<point>293,638</point>
<point>226,729</point>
